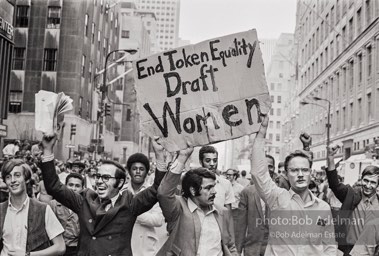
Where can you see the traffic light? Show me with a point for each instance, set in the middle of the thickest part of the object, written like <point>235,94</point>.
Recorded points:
<point>73,130</point>
<point>107,109</point>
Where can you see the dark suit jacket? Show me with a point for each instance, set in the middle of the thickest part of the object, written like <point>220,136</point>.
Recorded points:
<point>251,235</point>
<point>184,226</point>
<point>350,199</point>
<point>109,234</point>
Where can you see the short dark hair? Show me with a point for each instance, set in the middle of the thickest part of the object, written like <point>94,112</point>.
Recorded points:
<point>194,178</point>
<point>243,173</point>
<point>120,171</point>
<point>206,149</point>
<point>297,153</point>
<point>312,184</point>
<point>235,172</point>
<point>370,170</point>
<point>8,166</point>
<point>76,176</point>
<point>137,158</point>
<point>270,156</point>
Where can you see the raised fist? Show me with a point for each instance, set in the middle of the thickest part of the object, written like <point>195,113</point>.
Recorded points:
<point>306,139</point>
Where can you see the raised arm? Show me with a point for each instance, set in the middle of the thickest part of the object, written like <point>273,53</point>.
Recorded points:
<point>146,199</point>
<point>339,189</point>
<point>53,186</point>
<point>169,203</point>
<point>266,187</point>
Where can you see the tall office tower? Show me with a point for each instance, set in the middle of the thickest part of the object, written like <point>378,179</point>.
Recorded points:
<point>267,48</point>
<point>167,13</point>
<point>59,47</point>
<point>278,76</point>
<point>338,74</point>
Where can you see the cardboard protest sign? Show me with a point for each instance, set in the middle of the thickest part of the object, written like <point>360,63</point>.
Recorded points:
<point>212,91</point>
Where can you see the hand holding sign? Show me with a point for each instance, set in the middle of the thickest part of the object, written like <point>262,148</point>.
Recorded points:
<point>204,93</point>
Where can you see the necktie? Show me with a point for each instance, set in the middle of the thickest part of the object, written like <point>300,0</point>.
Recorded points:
<point>102,208</point>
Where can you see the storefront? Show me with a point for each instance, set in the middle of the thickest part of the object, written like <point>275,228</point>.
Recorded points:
<point>6,51</point>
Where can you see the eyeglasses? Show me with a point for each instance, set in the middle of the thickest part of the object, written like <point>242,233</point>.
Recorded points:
<point>104,177</point>
<point>296,171</point>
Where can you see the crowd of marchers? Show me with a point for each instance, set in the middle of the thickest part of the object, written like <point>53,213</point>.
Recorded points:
<point>51,207</point>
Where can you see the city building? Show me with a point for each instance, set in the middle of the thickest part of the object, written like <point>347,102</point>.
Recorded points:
<point>267,47</point>
<point>6,51</point>
<point>61,46</point>
<point>278,77</point>
<point>137,33</point>
<point>338,63</point>
<point>167,13</point>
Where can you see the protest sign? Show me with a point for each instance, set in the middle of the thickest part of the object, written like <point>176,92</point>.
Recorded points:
<point>212,91</point>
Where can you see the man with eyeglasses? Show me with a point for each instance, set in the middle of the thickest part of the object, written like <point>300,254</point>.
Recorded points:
<point>359,206</point>
<point>106,216</point>
<point>300,223</point>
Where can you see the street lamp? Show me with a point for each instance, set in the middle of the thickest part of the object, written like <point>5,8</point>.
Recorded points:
<point>104,90</point>
<point>328,125</point>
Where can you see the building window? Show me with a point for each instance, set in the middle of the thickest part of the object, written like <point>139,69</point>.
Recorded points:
<point>280,75</point>
<point>93,32</point>
<point>368,12</point>
<point>278,125</point>
<point>359,21</point>
<point>277,137</point>
<point>125,34</point>
<point>18,58</point>
<point>98,40</point>
<point>128,115</point>
<point>80,106</point>
<point>278,112</point>
<point>369,107</point>
<point>272,98</point>
<point>22,17</point>
<point>53,17</point>
<point>86,25</point>
<point>15,107</point>
<point>351,74</point>
<point>271,111</point>
<point>271,124</point>
<point>359,112</point>
<point>90,71</point>
<point>88,110</point>
<point>270,136</point>
<point>272,86</point>
<point>359,69</point>
<point>83,65</point>
<point>279,99</point>
<point>50,60</point>
<point>369,61</point>
<point>351,115</point>
<point>351,30</point>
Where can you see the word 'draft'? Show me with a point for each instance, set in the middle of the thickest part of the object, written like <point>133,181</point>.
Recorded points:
<point>212,91</point>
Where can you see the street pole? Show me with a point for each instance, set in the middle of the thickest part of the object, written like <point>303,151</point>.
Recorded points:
<point>104,90</point>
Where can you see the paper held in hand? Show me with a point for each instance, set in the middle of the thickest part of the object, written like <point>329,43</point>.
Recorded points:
<point>48,106</point>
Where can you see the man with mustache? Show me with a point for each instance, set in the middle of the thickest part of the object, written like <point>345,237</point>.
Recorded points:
<point>208,157</point>
<point>359,205</point>
<point>196,225</point>
<point>310,232</point>
<point>106,216</point>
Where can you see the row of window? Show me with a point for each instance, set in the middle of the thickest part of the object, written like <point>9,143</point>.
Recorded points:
<point>53,16</point>
<point>278,112</point>
<point>353,72</point>
<point>49,59</point>
<point>348,117</point>
<point>342,38</point>
<point>279,99</point>
<point>278,125</point>
<point>278,87</point>
<point>158,2</point>
<point>271,136</point>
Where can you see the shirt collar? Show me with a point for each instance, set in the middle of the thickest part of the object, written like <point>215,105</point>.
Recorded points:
<point>24,204</point>
<point>143,187</point>
<point>193,207</point>
<point>369,199</point>
<point>114,199</point>
<point>314,199</point>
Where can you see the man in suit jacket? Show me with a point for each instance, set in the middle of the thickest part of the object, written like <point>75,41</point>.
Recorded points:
<point>359,206</point>
<point>195,225</point>
<point>108,216</point>
<point>251,230</point>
